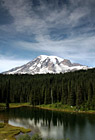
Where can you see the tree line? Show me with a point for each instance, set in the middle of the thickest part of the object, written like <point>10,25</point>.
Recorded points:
<point>73,88</point>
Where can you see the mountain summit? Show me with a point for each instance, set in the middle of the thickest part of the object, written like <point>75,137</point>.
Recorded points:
<point>47,64</point>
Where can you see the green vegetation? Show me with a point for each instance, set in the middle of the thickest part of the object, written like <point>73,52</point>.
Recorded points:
<point>8,132</point>
<point>55,106</point>
<point>64,108</point>
<point>27,137</point>
<point>2,125</point>
<point>2,106</point>
<point>58,106</point>
<point>34,137</point>
<point>15,105</point>
<point>76,89</point>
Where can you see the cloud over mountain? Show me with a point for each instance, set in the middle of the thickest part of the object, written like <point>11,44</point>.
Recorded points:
<point>58,27</point>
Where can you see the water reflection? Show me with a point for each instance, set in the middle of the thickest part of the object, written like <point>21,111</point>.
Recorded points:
<point>56,125</point>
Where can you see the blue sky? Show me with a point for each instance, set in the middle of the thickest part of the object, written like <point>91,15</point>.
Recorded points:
<point>29,28</point>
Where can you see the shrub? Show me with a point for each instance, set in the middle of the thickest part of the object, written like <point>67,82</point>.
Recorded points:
<point>36,137</point>
<point>27,137</point>
<point>24,137</point>
<point>2,125</point>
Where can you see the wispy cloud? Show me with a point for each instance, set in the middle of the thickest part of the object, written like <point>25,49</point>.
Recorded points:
<point>59,27</point>
<point>39,19</point>
<point>75,49</point>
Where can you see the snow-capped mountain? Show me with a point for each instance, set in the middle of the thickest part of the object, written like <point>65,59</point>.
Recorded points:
<point>46,64</point>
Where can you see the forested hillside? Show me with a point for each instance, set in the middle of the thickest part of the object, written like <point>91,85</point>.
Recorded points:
<point>73,88</point>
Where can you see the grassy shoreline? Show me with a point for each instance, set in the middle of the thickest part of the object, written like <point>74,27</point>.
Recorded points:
<point>64,108</point>
<point>9,132</point>
<point>54,107</point>
<point>14,105</point>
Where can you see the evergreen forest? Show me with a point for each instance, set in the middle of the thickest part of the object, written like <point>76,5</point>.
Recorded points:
<point>73,88</point>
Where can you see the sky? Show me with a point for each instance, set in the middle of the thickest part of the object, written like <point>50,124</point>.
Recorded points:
<point>63,28</point>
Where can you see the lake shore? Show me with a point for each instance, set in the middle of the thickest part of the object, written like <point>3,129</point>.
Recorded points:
<point>64,108</point>
<point>9,132</point>
<point>14,105</point>
<point>53,107</point>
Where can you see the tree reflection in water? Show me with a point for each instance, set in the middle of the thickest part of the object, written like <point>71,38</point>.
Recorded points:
<point>53,124</point>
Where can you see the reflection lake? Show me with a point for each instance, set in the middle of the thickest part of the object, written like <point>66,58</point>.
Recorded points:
<point>57,125</point>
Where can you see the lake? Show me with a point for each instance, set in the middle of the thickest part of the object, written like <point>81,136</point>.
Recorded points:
<point>57,125</point>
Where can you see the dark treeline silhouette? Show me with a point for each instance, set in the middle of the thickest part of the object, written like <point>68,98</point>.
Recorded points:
<point>73,88</point>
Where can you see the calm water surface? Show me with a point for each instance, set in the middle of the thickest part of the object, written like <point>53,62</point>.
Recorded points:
<point>52,124</point>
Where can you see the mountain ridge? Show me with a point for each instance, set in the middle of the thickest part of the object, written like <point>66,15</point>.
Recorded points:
<point>44,64</point>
